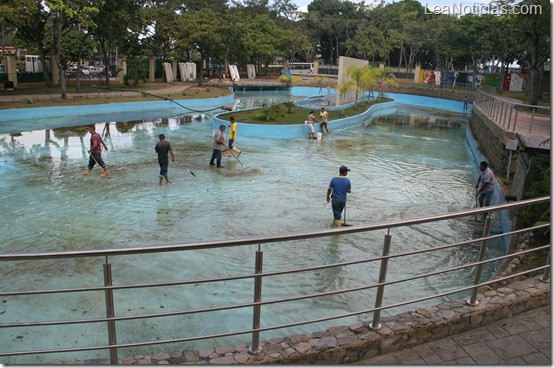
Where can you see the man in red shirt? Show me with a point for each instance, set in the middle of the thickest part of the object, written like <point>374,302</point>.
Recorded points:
<point>95,151</point>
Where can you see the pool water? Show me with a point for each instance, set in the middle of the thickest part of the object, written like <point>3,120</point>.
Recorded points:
<point>409,164</point>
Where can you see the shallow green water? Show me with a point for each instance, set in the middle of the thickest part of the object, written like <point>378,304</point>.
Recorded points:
<point>406,165</point>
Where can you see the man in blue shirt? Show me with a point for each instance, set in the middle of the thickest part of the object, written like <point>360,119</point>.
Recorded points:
<point>338,189</point>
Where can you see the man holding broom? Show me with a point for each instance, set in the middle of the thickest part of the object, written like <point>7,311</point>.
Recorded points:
<point>95,151</point>
<point>338,189</point>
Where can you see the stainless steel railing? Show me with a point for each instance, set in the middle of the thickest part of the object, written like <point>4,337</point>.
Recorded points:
<point>110,290</point>
<point>511,116</point>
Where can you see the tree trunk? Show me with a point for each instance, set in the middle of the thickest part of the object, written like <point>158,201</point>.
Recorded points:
<point>45,70</point>
<point>58,54</point>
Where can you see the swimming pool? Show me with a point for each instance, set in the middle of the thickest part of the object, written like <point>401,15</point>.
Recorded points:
<point>405,165</point>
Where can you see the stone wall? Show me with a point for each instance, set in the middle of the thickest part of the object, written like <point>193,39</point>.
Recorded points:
<point>426,90</point>
<point>492,140</point>
<point>348,344</point>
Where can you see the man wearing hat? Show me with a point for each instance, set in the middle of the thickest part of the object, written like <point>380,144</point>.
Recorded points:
<point>219,142</point>
<point>338,189</point>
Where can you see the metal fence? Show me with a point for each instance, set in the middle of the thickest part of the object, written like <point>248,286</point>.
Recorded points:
<point>381,284</point>
<point>513,116</point>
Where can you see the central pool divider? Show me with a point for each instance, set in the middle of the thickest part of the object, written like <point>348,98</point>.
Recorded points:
<point>316,103</point>
<point>301,130</point>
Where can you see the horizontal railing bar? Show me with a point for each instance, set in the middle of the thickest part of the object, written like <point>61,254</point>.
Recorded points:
<point>457,268</point>
<point>274,273</point>
<point>515,103</point>
<point>262,239</point>
<point>118,287</point>
<point>273,301</point>
<point>187,339</point>
<point>476,240</point>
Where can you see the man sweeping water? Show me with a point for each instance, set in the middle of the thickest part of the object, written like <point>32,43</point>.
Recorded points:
<point>95,151</point>
<point>163,147</point>
<point>339,187</point>
<point>232,137</point>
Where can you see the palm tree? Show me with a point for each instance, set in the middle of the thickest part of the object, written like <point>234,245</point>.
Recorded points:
<point>322,82</point>
<point>356,73</point>
<point>383,78</point>
<point>342,89</point>
<point>289,80</point>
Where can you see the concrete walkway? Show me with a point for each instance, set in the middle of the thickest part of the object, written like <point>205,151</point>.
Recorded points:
<point>524,339</point>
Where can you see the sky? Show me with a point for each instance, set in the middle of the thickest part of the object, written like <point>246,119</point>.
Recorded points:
<point>303,4</point>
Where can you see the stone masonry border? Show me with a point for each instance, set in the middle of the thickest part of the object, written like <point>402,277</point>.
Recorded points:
<point>349,344</point>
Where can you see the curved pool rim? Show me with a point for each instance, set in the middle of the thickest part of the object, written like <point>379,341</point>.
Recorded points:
<point>301,130</point>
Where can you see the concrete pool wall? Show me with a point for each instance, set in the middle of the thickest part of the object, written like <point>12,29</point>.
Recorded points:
<point>301,130</point>
<point>19,120</point>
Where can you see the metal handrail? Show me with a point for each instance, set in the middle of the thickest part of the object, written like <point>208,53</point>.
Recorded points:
<point>280,300</point>
<point>507,114</point>
<point>263,239</point>
<point>259,275</point>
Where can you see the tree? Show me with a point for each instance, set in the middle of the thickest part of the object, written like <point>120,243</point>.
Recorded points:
<point>442,43</point>
<point>333,22</point>
<point>112,23</point>
<point>535,38</point>
<point>32,21</point>
<point>290,80</point>
<point>344,88</point>
<point>205,30</point>
<point>74,45</point>
<point>65,13</point>
<point>381,79</point>
<point>356,73</point>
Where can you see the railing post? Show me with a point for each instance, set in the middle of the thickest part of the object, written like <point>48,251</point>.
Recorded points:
<point>504,115</point>
<point>546,275</point>
<point>376,324</point>
<point>510,118</point>
<point>515,121</point>
<point>110,310</point>
<point>497,111</point>
<point>255,347</point>
<point>486,232</point>
<point>532,120</point>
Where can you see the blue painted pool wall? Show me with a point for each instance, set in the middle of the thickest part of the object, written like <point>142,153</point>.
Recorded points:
<point>498,198</point>
<point>53,112</point>
<point>433,102</point>
<point>301,130</point>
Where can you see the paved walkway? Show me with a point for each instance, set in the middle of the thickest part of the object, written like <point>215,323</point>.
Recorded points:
<point>524,339</point>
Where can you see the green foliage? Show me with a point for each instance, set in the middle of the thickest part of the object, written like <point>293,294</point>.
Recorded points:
<point>297,116</point>
<point>137,70</point>
<point>289,105</point>
<point>72,43</point>
<point>272,113</point>
<point>290,80</point>
<point>217,33</point>
<point>539,187</point>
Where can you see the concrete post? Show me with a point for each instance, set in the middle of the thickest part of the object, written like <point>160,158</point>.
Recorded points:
<point>416,73</point>
<point>10,68</point>
<point>316,66</point>
<point>381,65</point>
<point>121,68</point>
<point>151,69</point>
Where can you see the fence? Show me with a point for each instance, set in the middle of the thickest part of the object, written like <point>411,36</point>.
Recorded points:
<point>110,291</point>
<point>512,116</point>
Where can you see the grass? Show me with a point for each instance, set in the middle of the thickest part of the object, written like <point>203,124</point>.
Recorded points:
<point>93,95</point>
<point>524,97</point>
<point>297,115</point>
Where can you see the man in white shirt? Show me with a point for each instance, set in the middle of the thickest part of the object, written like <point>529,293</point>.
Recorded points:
<point>486,179</point>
